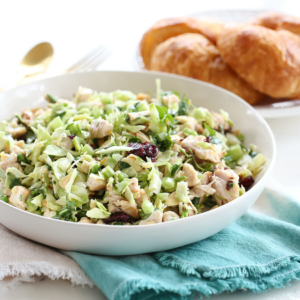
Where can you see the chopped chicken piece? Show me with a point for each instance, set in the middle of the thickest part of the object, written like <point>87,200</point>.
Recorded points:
<point>206,178</point>
<point>67,143</point>
<point>85,167</point>
<point>172,200</point>
<point>202,189</point>
<point>100,128</point>
<point>48,213</point>
<point>85,220</point>
<point>176,148</point>
<point>169,216</point>
<point>112,197</point>
<point>173,159</point>
<point>209,154</point>
<point>143,196</point>
<point>125,206</point>
<point>83,94</point>
<point>64,181</point>
<point>219,120</point>
<point>19,144</point>
<point>187,122</point>
<point>199,128</point>
<point>44,176</point>
<point>154,218</point>
<point>168,100</point>
<point>143,137</point>
<point>17,150</point>
<point>9,161</point>
<point>118,203</point>
<point>179,174</point>
<point>134,186</point>
<point>94,183</point>
<point>38,112</point>
<point>15,129</point>
<point>226,185</point>
<point>18,197</point>
<point>142,96</point>
<point>191,175</point>
<point>177,138</point>
<point>100,222</point>
<point>93,204</point>
<point>27,116</point>
<point>221,165</point>
<point>186,206</point>
<point>135,115</point>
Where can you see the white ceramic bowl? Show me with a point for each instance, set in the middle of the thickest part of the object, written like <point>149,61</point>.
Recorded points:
<point>126,240</point>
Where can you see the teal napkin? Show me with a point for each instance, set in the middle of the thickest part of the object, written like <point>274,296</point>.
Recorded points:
<point>258,252</point>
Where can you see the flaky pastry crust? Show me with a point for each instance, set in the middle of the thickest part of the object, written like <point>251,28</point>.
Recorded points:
<point>167,28</point>
<point>195,56</point>
<point>279,21</point>
<point>268,60</point>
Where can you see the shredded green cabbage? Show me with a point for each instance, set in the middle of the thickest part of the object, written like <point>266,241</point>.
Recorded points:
<point>123,156</point>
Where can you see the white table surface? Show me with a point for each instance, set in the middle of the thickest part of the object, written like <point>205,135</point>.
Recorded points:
<point>75,27</point>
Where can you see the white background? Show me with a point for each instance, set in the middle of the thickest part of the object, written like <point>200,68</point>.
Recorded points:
<point>74,28</point>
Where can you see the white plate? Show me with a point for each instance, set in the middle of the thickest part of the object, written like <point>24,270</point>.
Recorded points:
<point>274,110</point>
<point>125,240</point>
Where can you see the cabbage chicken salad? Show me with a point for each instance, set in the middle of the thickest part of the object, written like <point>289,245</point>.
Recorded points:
<point>123,159</point>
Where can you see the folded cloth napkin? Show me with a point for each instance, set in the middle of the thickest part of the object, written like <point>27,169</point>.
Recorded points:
<point>22,260</point>
<point>257,252</point>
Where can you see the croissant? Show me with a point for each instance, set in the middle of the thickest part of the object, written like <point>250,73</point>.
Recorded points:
<point>268,60</point>
<point>195,56</point>
<point>278,21</point>
<point>167,28</point>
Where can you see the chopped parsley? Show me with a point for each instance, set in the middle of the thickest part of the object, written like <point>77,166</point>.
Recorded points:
<point>4,198</point>
<point>163,141</point>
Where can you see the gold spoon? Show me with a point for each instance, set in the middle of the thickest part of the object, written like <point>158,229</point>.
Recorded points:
<point>36,61</point>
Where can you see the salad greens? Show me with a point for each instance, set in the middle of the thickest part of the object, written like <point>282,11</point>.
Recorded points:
<point>119,158</point>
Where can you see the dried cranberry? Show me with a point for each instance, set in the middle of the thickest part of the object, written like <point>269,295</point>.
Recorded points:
<point>247,182</point>
<point>143,150</point>
<point>150,149</point>
<point>71,136</point>
<point>207,140</point>
<point>92,145</point>
<point>137,150</point>
<point>118,217</point>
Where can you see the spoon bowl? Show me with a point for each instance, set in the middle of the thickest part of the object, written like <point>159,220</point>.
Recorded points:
<point>38,55</point>
<point>37,59</point>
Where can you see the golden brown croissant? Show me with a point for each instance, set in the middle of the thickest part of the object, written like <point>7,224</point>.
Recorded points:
<point>268,60</point>
<point>167,28</point>
<point>278,21</point>
<point>193,55</point>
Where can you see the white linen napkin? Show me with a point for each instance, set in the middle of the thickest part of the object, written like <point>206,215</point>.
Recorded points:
<point>21,260</point>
